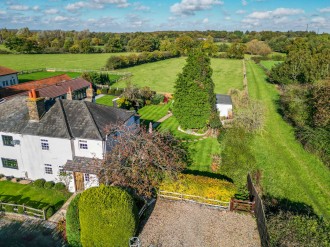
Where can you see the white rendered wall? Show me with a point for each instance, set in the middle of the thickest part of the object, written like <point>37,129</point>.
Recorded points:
<point>95,149</point>
<point>224,109</point>
<point>7,78</point>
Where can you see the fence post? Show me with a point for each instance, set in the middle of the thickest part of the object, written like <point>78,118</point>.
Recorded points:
<point>231,205</point>
<point>23,208</point>
<point>44,214</point>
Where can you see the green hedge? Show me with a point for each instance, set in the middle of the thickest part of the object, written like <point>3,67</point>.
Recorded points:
<point>108,217</point>
<point>72,223</point>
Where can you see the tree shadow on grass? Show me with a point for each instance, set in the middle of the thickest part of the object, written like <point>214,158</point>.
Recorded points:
<point>208,174</point>
<point>29,233</point>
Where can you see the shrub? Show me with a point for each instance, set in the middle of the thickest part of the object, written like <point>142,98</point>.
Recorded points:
<point>1,176</point>
<point>104,91</point>
<point>49,185</point>
<point>157,99</point>
<point>59,186</point>
<point>20,210</point>
<point>210,188</point>
<point>39,183</point>
<point>72,223</point>
<point>9,208</point>
<point>98,91</point>
<point>49,211</point>
<point>108,216</point>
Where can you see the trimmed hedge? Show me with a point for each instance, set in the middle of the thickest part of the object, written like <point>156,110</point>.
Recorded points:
<point>73,224</point>
<point>108,216</point>
<point>49,212</point>
<point>210,188</point>
<point>49,185</point>
<point>39,183</point>
<point>59,186</point>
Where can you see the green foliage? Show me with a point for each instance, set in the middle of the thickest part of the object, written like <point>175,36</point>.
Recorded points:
<point>194,92</point>
<point>143,43</point>
<point>287,229</point>
<point>157,99</point>
<point>20,210</point>
<point>215,122</point>
<point>49,185</point>
<point>96,78</point>
<point>59,186</point>
<point>39,183</point>
<point>236,51</point>
<point>73,223</point>
<point>9,208</point>
<point>49,211</point>
<point>108,216</point>
<point>237,156</point>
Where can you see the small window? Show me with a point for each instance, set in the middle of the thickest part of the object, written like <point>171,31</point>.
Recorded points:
<point>61,171</point>
<point>7,140</point>
<point>44,144</point>
<point>48,169</point>
<point>83,145</point>
<point>9,163</point>
<point>86,177</point>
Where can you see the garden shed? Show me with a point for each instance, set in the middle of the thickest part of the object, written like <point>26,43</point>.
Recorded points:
<point>224,105</point>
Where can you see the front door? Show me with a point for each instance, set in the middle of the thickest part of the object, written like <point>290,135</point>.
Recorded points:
<point>79,181</point>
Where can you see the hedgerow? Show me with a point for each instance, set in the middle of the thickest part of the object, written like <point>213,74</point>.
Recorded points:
<point>108,216</point>
<point>73,224</point>
<point>210,188</point>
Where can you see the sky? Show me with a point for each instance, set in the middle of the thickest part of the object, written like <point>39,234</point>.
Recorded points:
<point>152,15</point>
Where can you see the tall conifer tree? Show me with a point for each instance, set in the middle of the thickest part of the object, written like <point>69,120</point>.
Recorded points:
<point>194,92</point>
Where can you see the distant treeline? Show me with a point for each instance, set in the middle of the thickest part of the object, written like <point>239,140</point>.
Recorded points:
<point>57,41</point>
<point>117,62</point>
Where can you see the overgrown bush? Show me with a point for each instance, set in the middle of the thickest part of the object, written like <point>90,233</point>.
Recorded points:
<point>210,188</point>
<point>108,216</point>
<point>73,224</point>
<point>59,186</point>
<point>20,210</point>
<point>49,211</point>
<point>157,99</point>
<point>9,208</point>
<point>39,183</point>
<point>49,185</point>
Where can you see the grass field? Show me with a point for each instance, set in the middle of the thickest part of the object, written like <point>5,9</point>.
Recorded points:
<point>152,113</point>
<point>106,100</point>
<point>160,76</point>
<point>62,61</point>
<point>31,196</point>
<point>288,170</point>
<point>43,75</point>
<point>268,64</point>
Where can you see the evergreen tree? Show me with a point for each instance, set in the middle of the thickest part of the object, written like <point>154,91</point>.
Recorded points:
<point>194,92</point>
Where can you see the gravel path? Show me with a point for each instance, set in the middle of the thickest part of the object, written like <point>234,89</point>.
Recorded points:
<point>186,224</point>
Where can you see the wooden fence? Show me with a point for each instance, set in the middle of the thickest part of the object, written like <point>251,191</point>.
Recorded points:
<point>89,70</point>
<point>22,209</point>
<point>239,205</point>
<point>259,212</point>
<point>194,199</point>
<point>29,71</point>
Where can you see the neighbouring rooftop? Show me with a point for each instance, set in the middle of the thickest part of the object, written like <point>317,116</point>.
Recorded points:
<point>6,71</point>
<point>224,99</point>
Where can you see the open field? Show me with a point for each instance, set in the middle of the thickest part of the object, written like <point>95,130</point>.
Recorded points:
<point>43,75</point>
<point>160,76</point>
<point>268,64</point>
<point>62,61</point>
<point>288,170</point>
<point>31,196</point>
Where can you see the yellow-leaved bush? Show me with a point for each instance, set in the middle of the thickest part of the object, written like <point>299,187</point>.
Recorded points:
<point>210,188</point>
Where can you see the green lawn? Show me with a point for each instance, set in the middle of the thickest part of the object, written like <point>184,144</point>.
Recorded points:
<point>152,113</point>
<point>161,76</point>
<point>106,100</point>
<point>268,64</point>
<point>31,196</point>
<point>62,61</point>
<point>288,170</point>
<point>43,75</point>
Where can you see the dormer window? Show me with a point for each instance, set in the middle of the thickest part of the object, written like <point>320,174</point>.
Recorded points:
<point>83,144</point>
<point>7,140</point>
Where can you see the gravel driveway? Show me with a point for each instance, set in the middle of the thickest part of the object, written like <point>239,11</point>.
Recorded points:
<point>174,223</point>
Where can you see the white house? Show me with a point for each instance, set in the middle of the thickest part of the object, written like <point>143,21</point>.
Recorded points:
<point>39,138</point>
<point>8,77</point>
<point>224,105</point>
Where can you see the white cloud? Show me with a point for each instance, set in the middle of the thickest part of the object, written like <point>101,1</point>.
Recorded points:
<point>2,12</point>
<point>189,7</point>
<point>227,18</point>
<point>139,6</point>
<point>119,3</point>
<point>206,20</point>
<point>60,18</point>
<point>274,13</point>
<point>77,5</point>
<point>18,7</point>
<point>325,10</point>
<point>36,8</point>
<point>319,20</point>
<point>51,11</point>
<point>244,2</point>
<point>240,12</point>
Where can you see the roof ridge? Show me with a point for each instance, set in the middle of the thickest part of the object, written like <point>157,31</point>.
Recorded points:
<point>93,120</point>
<point>68,129</point>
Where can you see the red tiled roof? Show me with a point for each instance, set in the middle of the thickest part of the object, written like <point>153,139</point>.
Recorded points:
<point>6,71</point>
<point>24,87</point>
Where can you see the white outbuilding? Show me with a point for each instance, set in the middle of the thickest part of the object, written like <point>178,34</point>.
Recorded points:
<point>224,105</point>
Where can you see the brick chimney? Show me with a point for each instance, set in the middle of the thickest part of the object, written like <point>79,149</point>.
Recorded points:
<point>69,94</point>
<point>90,94</point>
<point>36,105</point>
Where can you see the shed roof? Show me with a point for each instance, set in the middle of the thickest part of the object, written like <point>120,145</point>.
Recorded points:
<point>224,99</point>
<point>83,164</point>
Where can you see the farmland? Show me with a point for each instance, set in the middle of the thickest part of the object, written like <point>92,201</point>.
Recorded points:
<point>289,171</point>
<point>44,74</point>
<point>268,64</point>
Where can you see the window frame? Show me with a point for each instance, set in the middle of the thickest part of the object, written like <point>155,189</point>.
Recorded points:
<point>86,177</point>
<point>48,168</point>
<point>44,144</point>
<point>83,145</point>
<point>5,160</point>
<point>5,142</point>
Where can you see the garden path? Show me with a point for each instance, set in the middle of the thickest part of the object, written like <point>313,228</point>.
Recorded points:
<point>60,214</point>
<point>158,122</point>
